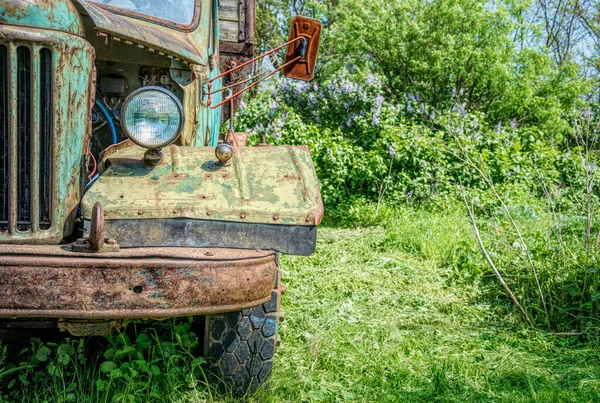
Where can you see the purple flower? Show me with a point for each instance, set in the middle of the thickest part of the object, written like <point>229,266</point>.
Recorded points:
<point>312,100</point>
<point>379,100</point>
<point>460,109</point>
<point>591,167</point>
<point>346,88</point>
<point>371,80</point>
<point>301,87</point>
<point>514,124</point>
<point>375,120</point>
<point>499,127</point>
<point>391,151</point>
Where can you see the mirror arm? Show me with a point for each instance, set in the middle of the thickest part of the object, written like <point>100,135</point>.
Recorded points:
<point>301,52</point>
<point>237,94</point>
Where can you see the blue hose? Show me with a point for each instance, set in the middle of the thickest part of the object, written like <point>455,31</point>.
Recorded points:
<point>91,182</point>
<point>109,120</point>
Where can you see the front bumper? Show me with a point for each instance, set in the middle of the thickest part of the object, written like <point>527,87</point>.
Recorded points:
<point>156,283</point>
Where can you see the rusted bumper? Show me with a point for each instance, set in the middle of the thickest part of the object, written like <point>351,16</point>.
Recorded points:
<point>53,282</point>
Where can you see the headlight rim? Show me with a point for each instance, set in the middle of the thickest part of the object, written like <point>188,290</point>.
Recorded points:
<point>128,100</point>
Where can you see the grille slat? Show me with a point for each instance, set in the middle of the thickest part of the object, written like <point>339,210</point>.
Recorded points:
<point>45,148</point>
<point>4,137</point>
<point>23,138</point>
<point>26,130</point>
<point>12,136</point>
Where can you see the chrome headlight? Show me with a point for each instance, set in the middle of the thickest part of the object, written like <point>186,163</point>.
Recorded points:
<point>152,117</point>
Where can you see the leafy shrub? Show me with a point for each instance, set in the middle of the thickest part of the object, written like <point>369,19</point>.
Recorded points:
<point>365,144</point>
<point>159,364</point>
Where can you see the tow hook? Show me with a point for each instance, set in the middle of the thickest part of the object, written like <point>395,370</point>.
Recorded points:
<point>96,242</point>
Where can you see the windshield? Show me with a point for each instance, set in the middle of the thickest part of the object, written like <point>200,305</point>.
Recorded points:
<point>177,11</point>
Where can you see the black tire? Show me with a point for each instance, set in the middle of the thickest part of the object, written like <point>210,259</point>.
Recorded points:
<point>239,346</point>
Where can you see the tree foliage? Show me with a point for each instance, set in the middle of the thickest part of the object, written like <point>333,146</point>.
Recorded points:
<point>440,48</point>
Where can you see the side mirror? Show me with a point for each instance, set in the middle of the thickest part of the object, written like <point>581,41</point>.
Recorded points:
<point>310,29</point>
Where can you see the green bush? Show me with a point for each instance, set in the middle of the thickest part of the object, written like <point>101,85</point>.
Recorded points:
<point>364,144</point>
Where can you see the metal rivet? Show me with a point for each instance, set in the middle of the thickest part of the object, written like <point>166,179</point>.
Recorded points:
<point>242,216</point>
<point>209,253</point>
<point>175,211</point>
<point>305,25</point>
<point>275,217</point>
<point>111,241</point>
<point>209,212</point>
<point>140,212</point>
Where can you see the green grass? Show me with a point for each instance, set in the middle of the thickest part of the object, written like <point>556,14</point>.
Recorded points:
<point>375,315</point>
<point>388,312</point>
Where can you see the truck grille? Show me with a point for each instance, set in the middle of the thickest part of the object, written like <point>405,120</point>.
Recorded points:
<point>26,119</point>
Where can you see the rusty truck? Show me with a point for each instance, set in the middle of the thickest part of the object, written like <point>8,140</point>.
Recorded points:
<point>124,192</point>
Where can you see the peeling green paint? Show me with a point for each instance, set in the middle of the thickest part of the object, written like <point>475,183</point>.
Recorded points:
<point>56,15</point>
<point>273,185</point>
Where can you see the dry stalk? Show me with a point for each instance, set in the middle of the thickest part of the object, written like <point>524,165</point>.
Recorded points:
<point>489,182</point>
<point>488,258</point>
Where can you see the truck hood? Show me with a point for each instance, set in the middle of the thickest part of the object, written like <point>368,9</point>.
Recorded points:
<point>180,44</point>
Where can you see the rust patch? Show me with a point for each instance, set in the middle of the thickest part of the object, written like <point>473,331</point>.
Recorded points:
<point>149,283</point>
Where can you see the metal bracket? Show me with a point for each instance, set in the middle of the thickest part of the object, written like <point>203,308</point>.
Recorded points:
<point>96,242</point>
<point>79,328</point>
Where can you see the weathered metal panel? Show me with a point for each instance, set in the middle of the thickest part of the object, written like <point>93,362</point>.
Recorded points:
<point>58,15</point>
<point>48,281</point>
<point>191,47</point>
<point>236,27</point>
<point>269,185</point>
<point>288,239</point>
<point>72,72</point>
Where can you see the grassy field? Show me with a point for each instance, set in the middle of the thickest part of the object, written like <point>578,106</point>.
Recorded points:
<point>380,313</point>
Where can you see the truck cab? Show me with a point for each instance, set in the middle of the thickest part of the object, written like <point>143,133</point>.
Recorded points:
<point>121,198</point>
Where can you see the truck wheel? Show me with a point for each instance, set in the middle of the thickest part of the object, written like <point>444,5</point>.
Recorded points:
<point>239,346</point>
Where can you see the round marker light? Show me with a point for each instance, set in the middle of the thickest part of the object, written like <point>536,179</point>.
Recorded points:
<point>224,152</point>
<point>152,117</point>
